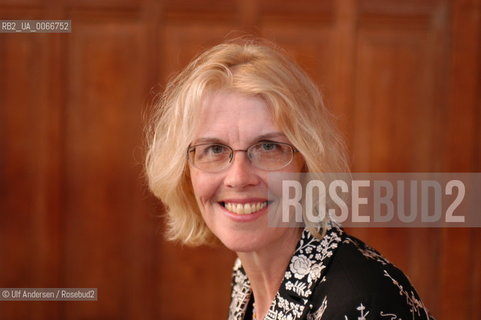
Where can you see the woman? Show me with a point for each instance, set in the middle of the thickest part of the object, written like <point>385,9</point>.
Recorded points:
<point>238,112</point>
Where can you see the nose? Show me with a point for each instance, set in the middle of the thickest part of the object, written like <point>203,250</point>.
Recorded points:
<point>241,172</point>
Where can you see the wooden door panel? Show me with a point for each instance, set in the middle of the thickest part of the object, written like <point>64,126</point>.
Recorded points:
<point>402,77</point>
<point>101,188</point>
<point>102,4</point>
<point>28,217</point>
<point>310,44</point>
<point>181,42</point>
<point>394,103</point>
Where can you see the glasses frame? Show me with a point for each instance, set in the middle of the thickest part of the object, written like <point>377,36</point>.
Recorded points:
<point>233,151</point>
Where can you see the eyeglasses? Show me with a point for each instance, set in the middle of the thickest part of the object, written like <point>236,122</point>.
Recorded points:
<point>215,157</point>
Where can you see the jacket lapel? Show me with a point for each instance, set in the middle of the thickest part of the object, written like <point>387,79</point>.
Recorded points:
<point>306,269</point>
<point>241,292</point>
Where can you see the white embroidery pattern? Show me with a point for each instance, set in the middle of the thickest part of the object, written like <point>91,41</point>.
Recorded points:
<point>362,315</point>
<point>241,293</point>
<point>414,303</point>
<point>368,252</point>
<point>317,315</point>
<point>283,309</point>
<point>305,269</point>
<point>392,315</point>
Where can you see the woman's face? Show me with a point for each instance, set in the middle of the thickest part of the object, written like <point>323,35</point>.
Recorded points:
<point>238,121</point>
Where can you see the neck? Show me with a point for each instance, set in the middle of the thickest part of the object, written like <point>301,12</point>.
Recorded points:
<point>265,269</point>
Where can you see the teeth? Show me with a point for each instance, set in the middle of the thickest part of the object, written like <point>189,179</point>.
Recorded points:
<point>246,208</point>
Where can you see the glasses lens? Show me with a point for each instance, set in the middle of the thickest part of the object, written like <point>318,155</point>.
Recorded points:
<point>270,155</point>
<point>210,157</point>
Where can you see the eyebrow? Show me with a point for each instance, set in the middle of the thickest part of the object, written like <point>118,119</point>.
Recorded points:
<point>267,136</point>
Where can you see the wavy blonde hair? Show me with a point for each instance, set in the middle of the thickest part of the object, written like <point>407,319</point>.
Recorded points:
<point>250,67</point>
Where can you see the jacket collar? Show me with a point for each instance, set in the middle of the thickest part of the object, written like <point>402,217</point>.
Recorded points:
<point>306,269</point>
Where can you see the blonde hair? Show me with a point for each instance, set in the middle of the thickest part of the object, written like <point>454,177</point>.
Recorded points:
<point>250,67</point>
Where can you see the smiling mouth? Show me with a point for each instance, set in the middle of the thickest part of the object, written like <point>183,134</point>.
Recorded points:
<point>244,208</point>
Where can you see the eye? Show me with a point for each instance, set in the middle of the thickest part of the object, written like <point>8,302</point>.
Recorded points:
<point>211,152</point>
<point>269,146</point>
<point>215,149</point>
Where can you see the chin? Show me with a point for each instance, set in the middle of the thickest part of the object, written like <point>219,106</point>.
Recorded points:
<point>241,242</point>
<point>241,247</point>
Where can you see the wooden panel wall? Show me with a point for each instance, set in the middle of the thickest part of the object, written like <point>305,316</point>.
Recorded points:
<point>403,78</point>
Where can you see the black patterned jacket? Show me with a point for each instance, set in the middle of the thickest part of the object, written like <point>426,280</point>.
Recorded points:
<point>335,278</point>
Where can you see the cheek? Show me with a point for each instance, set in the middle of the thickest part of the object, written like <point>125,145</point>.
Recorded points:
<point>277,181</point>
<point>204,187</point>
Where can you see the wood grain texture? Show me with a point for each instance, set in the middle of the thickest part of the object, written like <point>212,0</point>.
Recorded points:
<point>402,77</point>
<point>28,214</point>
<point>460,254</point>
<point>102,132</point>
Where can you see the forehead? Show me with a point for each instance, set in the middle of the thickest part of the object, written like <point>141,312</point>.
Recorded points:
<point>233,116</point>
<point>229,101</point>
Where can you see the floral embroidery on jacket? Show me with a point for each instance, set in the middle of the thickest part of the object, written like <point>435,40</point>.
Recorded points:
<point>311,291</point>
<point>305,269</point>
